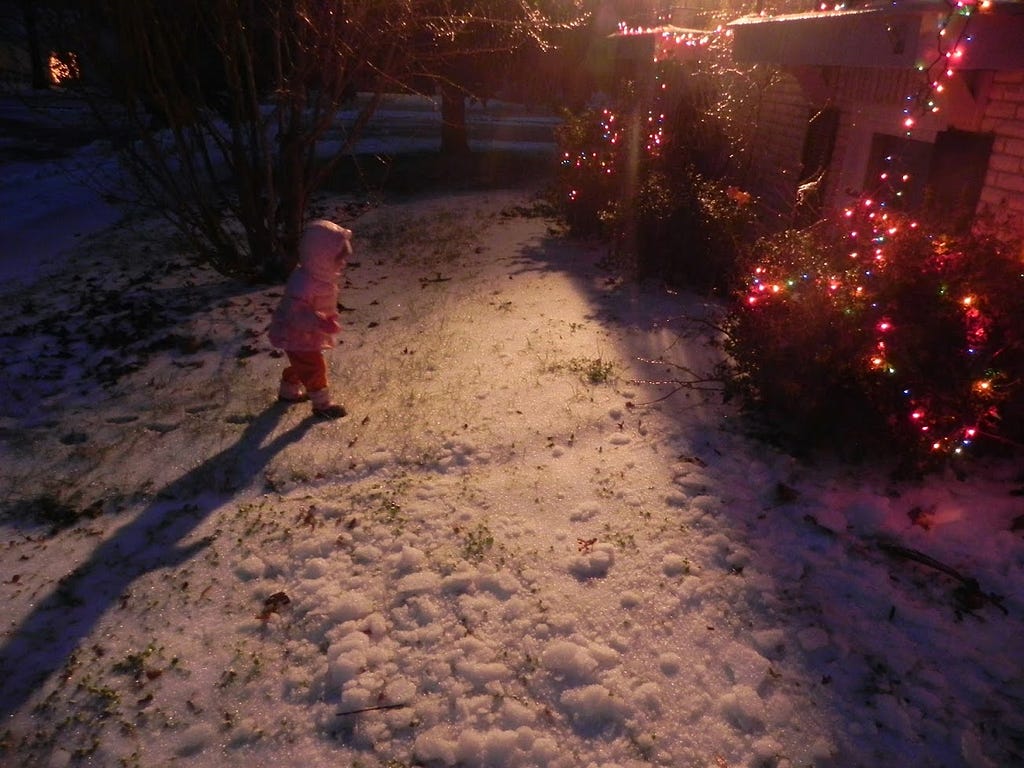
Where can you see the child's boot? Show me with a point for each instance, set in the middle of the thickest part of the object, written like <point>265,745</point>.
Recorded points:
<point>291,392</point>
<point>323,407</point>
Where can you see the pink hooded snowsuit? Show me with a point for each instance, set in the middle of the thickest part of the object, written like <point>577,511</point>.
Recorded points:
<point>307,318</point>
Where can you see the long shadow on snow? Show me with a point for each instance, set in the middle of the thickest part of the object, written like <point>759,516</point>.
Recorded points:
<point>625,305</point>
<point>845,581</point>
<point>89,331</point>
<point>48,636</point>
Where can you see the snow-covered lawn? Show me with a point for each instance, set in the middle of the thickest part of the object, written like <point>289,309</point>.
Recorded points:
<point>510,553</point>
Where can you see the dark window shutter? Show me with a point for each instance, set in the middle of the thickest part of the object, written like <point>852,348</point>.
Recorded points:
<point>957,174</point>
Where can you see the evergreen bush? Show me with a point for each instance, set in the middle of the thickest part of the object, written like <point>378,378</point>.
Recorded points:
<point>587,182</point>
<point>690,230</point>
<point>630,180</point>
<point>873,335</point>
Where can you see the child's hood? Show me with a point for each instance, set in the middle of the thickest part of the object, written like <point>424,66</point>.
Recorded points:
<point>321,243</point>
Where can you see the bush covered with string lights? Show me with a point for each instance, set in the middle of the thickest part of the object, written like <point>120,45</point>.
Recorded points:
<point>655,171</point>
<point>874,336</point>
<point>588,183</point>
<point>630,180</point>
<point>865,336</point>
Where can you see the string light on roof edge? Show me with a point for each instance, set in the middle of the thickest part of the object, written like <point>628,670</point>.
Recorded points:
<point>669,41</point>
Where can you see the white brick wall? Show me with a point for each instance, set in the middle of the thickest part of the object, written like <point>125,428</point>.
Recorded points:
<point>870,101</point>
<point>776,157</point>
<point>1004,117</point>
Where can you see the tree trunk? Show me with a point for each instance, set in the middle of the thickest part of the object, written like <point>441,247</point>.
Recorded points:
<point>291,193</point>
<point>454,136</point>
<point>40,65</point>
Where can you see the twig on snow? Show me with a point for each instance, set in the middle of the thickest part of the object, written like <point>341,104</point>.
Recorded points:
<point>968,594</point>
<point>695,383</point>
<point>372,709</point>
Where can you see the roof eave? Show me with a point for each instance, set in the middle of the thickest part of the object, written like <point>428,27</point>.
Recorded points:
<point>897,36</point>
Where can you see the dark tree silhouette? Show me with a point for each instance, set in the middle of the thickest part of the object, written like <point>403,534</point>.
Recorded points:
<point>227,111</point>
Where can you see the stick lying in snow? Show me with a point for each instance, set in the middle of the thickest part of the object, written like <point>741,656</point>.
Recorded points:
<point>968,594</point>
<point>372,709</point>
<point>424,281</point>
<point>695,381</point>
<point>686,379</point>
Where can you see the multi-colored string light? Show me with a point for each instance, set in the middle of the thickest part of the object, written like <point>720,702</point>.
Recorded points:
<point>607,158</point>
<point>871,228</point>
<point>871,225</point>
<point>670,44</point>
<point>952,38</point>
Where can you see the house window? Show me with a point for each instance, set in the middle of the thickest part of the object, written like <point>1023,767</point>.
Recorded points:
<point>815,158</point>
<point>943,179</point>
<point>63,67</point>
<point>819,142</point>
<point>898,170</point>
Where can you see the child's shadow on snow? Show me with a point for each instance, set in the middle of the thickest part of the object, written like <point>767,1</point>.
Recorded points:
<point>46,639</point>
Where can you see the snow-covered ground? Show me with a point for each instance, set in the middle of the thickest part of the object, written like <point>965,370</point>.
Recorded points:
<point>512,552</point>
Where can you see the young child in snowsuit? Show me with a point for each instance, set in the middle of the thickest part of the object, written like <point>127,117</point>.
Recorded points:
<point>306,321</point>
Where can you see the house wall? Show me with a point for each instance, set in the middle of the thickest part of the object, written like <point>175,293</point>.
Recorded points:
<point>972,149</point>
<point>775,157</point>
<point>1003,115</point>
<point>871,102</point>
